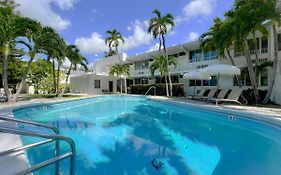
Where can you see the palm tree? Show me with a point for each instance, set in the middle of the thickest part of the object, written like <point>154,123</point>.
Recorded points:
<point>33,31</point>
<point>7,36</point>
<point>76,59</point>
<point>275,20</point>
<point>12,29</point>
<point>245,17</point>
<point>161,64</point>
<point>158,27</point>
<point>113,41</point>
<point>120,70</point>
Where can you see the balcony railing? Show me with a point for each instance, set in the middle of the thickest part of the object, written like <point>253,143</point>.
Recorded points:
<point>252,52</point>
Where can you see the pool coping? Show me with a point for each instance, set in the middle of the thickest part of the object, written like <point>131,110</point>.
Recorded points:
<point>269,119</point>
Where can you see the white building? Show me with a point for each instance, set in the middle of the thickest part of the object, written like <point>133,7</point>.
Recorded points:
<point>189,57</point>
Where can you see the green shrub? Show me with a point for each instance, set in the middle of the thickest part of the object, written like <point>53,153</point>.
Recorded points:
<point>141,89</point>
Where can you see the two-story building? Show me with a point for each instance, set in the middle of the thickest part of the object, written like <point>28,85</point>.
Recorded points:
<point>189,57</point>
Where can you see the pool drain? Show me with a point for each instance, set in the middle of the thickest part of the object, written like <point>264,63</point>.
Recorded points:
<point>157,164</point>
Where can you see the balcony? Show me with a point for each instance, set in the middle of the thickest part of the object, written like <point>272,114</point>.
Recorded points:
<point>252,52</point>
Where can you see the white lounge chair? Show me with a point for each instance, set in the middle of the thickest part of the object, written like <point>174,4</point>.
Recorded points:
<point>232,97</point>
<point>210,95</point>
<point>221,95</point>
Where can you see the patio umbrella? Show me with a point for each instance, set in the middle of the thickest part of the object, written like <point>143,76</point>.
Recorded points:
<point>221,69</point>
<point>196,75</point>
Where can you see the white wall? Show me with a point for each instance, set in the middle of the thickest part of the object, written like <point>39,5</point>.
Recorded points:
<point>86,84</point>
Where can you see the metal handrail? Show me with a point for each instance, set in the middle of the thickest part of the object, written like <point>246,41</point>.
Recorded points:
<point>50,137</point>
<point>11,119</point>
<point>152,87</point>
<point>54,129</point>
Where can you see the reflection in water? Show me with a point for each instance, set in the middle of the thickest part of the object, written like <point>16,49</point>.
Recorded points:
<point>123,135</point>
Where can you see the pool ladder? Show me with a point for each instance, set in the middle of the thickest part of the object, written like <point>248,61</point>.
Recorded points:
<point>56,137</point>
<point>152,87</point>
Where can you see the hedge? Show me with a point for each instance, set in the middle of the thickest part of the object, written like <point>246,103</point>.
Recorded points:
<point>178,89</point>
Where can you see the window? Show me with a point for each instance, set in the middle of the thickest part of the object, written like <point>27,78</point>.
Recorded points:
<point>264,45</point>
<point>141,80</point>
<point>194,82</point>
<point>195,55</point>
<point>182,54</point>
<point>210,55</point>
<point>141,65</point>
<point>251,43</point>
<point>213,81</point>
<point>264,77</point>
<point>97,84</point>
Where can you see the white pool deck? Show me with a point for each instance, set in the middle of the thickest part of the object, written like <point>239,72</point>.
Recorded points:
<point>11,164</point>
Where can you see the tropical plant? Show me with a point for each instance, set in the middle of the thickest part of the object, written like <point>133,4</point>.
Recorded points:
<point>39,70</point>
<point>159,27</point>
<point>244,18</point>
<point>113,42</point>
<point>161,64</point>
<point>120,70</point>
<point>13,30</point>
<point>217,38</point>
<point>76,59</point>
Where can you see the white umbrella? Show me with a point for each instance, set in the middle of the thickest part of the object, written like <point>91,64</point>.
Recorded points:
<point>221,69</point>
<point>197,75</point>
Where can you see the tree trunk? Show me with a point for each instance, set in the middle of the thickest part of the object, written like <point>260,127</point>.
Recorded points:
<point>118,55</point>
<point>169,76</point>
<point>256,48</point>
<point>66,80</point>
<point>23,79</point>
<point>274,68</point>
<point>5,71</point>
<point>54,77</point>
<point>58,80</point>
<point>252,74</point>
<point>167,88</point>
<point>125,84</point>
<point>233,64</point>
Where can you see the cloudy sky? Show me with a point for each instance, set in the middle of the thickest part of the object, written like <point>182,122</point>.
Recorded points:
<point>84,22</point>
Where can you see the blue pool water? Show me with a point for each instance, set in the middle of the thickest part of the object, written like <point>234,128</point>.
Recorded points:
<point>122,135</point>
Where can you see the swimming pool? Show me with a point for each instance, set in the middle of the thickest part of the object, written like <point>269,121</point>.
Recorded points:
<point>128,135</point>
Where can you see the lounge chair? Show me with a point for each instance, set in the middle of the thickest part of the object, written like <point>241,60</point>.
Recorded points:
<point>221,95</point>
<point>232,97</point>
<point>210,95</point>
<point>201,94</point>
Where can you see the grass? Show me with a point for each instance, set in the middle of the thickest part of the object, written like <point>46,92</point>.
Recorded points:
<point>50,95</point>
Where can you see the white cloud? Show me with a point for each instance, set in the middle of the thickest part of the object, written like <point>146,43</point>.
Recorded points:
<point>139,37</point>
<point>192,36</point>
<point>154,47</point>
<point>92,45</point>
<point>95,44</point>
<point>42,11</point>
<point>196,9</point>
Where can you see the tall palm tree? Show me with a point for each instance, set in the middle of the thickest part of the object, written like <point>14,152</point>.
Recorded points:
<point>161,64</point>
<point>113,41</point>
<point>76,59</point>
<point>243,19</point>
<point>218,38</point>
<point>7,36</point>
<point>120,70</point>
<point>55,48</point>
<point>13,28</point>
<point>159,27</point>
<point>275,11</point>
<point>33,33</point>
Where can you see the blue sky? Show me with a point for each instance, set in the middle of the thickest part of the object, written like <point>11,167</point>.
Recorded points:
<point>84,22</point>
